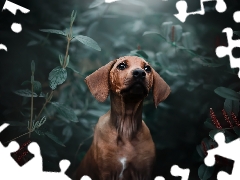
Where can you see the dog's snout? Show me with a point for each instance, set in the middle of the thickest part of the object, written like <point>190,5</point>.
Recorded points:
<point>139,73</point>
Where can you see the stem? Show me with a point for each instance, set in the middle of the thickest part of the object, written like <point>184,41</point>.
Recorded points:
<point>18,136</point>
<point>103,13</point>
<point>30,128</point>
<point>65,59</point>
<point>80,146</point>
<point>46,102</point>
<point>69,38</point>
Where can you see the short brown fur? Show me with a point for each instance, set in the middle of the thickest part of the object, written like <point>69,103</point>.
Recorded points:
<point>122,147</point>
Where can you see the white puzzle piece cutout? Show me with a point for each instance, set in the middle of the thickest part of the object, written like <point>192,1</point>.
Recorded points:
<point>228,150</point>
<point>182,9</point>
<point>12,7</point>
<point>33,169</point>
<point>159,178</point>
<point>236,16</point>
<point>16,27</point>
<point>177,171</point>
<point>222,51</point>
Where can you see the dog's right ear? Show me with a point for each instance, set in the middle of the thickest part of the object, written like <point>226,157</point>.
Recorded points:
<point>98,82</point>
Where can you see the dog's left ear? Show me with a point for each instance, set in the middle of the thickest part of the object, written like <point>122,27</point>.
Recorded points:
<point>98,82</point>
<point>161,90</point>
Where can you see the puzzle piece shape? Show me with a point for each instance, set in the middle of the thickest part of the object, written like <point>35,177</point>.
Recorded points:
<point>228,150</point>
<point>33,168</point>
<point>177,171</point>
<point>182,9</point>
<point>159,178</point>
<point>236,16</point>
<point>2,46</point>
<point>16,27</point>
<point>222,51</point>
<point>12,7</point>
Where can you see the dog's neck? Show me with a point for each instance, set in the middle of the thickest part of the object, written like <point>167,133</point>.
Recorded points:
<point>126,115</point>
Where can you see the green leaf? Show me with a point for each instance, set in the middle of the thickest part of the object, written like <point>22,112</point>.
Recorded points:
<point>32,43</point>
<point>205,63</point>
<point>187,40</point>
<point>96,113</point>
<point>67,132</point>
<point>212,133</point>
<point>175,33</point>
<point>237,130</point>
<point>163,60</point>
<point>209,87</point>
<point>26,83</point>
<point>15,123</point>
<point>32,79</point>
<point>165,29</point>
<point>139,53</point>
<point>61,59</point>
<point>208,123</point>
<point>71,67</point>
<point>237,33</point>
<point>200,151</point>
<point>137,3</point>
<point>155,33</point>
<point>175,73</point>
<point>53,31</point>
<point>88,42</point>
<point>68,57</point>
<point>229,137</point>
<point>231,106</point>
<point>54,138</point>
<point>205,172</point>
<point>39,132</point>
<point>32,66</point>
<point>37,87</point>
<point>227,93</point>
<point>65,111</point>
<point>73,16</point>
<point>96,3</point>
<point>57,76</point>
<point>27,93</point>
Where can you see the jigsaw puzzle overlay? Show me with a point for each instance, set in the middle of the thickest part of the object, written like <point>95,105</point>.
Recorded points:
<point>17,28</point>
<point>182,9</point>
<point>229,150</point>
<point>30,169</point>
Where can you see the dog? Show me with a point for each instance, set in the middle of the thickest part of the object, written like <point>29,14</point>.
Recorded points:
<point>122,147</point>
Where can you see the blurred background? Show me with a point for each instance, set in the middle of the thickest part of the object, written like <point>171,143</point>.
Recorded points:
<point>182,53</point>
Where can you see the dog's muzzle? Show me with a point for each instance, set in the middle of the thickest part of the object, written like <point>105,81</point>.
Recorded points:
<point>139,74</point>
<point>137,86</point>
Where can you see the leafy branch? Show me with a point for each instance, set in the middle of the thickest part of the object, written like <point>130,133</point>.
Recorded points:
<point>57,76</point>
<point>229,112</point>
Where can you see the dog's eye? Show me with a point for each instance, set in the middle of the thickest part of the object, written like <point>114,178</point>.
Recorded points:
<point>147,69</point>
<point>122,66</point>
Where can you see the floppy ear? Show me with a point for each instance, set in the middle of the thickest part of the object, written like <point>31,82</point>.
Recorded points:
<point>98,83</point>
<point>161,90</point>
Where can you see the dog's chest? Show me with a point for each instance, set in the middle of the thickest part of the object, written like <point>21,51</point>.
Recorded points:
<point>134,156</point>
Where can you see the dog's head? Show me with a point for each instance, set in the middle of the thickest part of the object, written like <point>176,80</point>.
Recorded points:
<point>128,75</point>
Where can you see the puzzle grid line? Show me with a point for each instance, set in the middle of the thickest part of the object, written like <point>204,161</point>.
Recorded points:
<point>228,150</point>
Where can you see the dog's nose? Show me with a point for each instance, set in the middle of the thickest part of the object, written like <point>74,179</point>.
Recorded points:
<point>139,73</point>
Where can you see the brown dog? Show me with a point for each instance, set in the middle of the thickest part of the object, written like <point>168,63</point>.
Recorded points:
<point>122,147</point>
